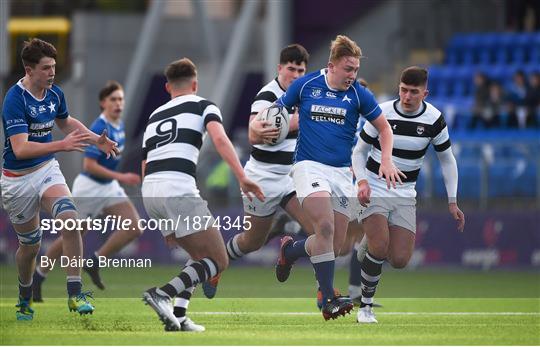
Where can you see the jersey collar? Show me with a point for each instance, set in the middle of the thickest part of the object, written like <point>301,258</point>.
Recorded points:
<point>409,115</point>
<point>117,127</point>
<point>32,95</point>
<point>324,72</point>
<point>279,85</point>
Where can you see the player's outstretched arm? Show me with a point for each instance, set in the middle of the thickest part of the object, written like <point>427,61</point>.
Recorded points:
<point>359,159</point>
<point>450,174</point>
<point>24,149</point>
<point>226,151</point>
<point>386,139</point>
<point>102,142</point>
<point>92,166</point>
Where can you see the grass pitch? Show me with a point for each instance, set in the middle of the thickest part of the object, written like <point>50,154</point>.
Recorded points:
<point>428,307</point>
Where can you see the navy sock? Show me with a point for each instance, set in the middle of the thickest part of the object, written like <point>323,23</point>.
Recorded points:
<point>295,250</point>
<point>355,270</point>
<point>38,277</point>
<point>25,291</point>
<point>95,263</point>
<point>324,272</point>
<point>74,285</point>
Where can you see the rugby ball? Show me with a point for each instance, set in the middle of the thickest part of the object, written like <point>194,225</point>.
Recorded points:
<point>278,116</point>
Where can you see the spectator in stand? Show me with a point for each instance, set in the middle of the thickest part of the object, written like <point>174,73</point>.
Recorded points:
<point>488,108</point>
<point>481,96</point>
<point>517,94</point>
<point>516,14</point>
<point>533,100</point>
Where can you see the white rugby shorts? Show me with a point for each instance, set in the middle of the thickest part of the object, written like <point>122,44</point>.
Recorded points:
<point>175,205</point>
<point>277,189</point>
<point>311,177</point>
<point>21,196</point>
<point>398,211</point>
<point>92,197</point>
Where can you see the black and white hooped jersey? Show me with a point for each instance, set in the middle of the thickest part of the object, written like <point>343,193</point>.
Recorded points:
<point>277,158</point>
<point>174,136</point>
<point>412,136</point>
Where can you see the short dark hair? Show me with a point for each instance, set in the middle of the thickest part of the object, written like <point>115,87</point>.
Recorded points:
<point>180,71</point>
<point>109,88</point>
<point>414,76</point>
<point>34,50</point>
<point>294,53</point>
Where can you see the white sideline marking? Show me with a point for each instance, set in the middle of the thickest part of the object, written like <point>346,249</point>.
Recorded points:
<point>378,313</point>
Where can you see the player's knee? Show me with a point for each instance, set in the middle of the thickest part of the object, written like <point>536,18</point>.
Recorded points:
<point>64,208</point>
<point>378,248</point>
<point>31,239</point>
<point>135,233</point>
<point>399,261</point>
<point>326,229</point>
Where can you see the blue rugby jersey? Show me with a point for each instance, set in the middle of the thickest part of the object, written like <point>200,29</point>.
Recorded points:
<point>23,113</point>
<point>115,133</point>
<point>328,118</point>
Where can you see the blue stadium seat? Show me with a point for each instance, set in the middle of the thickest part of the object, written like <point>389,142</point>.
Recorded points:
<point>534,57</point>
<point>455,49</point>
<point>505,42</point>
<point>488,48</point>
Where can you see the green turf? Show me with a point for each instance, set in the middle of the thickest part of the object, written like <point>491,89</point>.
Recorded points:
<point>436,307</point>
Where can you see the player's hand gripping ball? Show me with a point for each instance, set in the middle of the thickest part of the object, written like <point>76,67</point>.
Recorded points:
<point>278,116</point>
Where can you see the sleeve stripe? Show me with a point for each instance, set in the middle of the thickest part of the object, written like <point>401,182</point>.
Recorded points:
<point>440,124</point>
<point>17,125</point>
<point>266,96</point>
<point>212,117</point>
<point>367,139</point>
<point>443,146</point>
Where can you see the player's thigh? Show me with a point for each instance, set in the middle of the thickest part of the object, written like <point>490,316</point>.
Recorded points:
<point>127,210</point>
<point>318,208</point>
<point>29,226</point>
<point>275,186</point>
<point>378,235</point>
<point>20,198</point>
<point>401,246</point>
<point>313,192</point>
<point>205,244</point>
<point>294,209</point>
<point>355,232</point>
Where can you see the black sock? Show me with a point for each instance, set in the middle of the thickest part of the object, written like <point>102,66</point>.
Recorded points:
<point>95,263</point>
<point>38,277</point>
<point>181,303</point>
<point>371,274</point>
<point>193,274</point>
